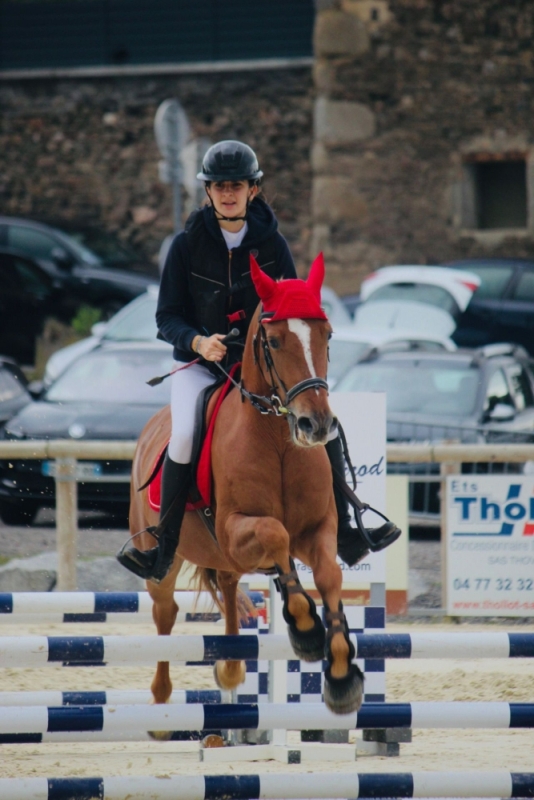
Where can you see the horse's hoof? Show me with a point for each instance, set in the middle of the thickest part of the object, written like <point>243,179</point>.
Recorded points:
<point>344,695</point>
<point>308,645</point>
<point>229,679</point>
<point>160,736</point>
<point>213,740</point>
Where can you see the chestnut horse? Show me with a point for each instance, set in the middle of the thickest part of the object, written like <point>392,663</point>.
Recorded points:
<point>273,496</point>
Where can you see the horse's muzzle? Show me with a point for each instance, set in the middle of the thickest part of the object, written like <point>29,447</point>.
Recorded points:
<point>311,430</point>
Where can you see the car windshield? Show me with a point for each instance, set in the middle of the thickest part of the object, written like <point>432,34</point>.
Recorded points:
<point>118,377</point>
<point>342,355</point>
<point>96,248</point>
<point>418,293</point>
<point>105,247</point>
<point>418,387</point>
<point>137,323</point>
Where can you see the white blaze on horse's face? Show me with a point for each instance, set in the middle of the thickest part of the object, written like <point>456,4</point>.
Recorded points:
<point>302,330</point>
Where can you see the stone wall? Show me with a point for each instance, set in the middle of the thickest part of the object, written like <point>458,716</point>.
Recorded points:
<point>83,150</point>
<point>405,91</point>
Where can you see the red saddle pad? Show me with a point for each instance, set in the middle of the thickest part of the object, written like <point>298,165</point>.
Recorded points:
<point>204,475</point>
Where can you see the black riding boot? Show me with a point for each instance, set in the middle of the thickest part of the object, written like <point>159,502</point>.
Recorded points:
<point>353,544</point>
<point>154,564</point>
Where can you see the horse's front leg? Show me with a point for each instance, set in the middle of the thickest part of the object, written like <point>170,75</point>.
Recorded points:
<point>164,613</point>
<point>229,674</point>
<point>263,542</point>
<point>343,691</point>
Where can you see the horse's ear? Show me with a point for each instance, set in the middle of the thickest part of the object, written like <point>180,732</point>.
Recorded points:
<point>265,286</point>
<point>316,276</point>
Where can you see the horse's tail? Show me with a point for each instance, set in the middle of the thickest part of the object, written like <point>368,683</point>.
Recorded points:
<point>206,579</point>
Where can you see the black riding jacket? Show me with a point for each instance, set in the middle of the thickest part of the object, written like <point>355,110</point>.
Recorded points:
<point>207,289</point>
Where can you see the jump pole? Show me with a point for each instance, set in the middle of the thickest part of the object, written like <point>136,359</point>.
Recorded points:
<point>38,724</point>
<point>110,697</point>
<point>37,651</point>
<point>289,786</point>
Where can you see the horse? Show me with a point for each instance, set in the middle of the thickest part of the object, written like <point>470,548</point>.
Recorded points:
<point>273,498</point>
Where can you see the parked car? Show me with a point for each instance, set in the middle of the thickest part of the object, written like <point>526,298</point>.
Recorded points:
<point>73,267</point>
<point>34,289</point>
<point>101,395</point>
<point>502,308</point>
<point>107,248</point>
<point>350,345</point>
<point>134,323</point>
<point>334,308</point>
<point>435,286</point>
<point>71,245</point>
<point>484,395</point>
<point>14,394</point>
<point>28,296</point>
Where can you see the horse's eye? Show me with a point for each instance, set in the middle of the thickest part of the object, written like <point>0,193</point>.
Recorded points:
<point>329,335</point>
<point>274,344</point>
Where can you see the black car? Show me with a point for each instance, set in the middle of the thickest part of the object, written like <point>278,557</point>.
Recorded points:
<point>484,395</point>
<point>35,288</point>
<point>14,394</point>
<point>105,281</point>
<point>502,308</point>
<point>102,395</point>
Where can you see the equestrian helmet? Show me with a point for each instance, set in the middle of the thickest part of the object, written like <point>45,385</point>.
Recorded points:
<point>230,161</point>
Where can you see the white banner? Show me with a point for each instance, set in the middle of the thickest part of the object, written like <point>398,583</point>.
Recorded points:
<point>490,545</point>
<point>363,417</point>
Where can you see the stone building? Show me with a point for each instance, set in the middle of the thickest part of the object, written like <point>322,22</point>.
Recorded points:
<point>423,143</point>
<point>411,142</point>
<point>79,151</point>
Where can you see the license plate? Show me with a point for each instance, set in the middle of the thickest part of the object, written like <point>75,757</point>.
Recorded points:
<point>84,470</point>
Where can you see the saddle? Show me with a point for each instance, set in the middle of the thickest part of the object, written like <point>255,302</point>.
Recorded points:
<point>207,408</point>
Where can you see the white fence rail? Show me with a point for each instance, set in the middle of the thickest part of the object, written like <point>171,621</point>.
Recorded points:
<point>66,452</point>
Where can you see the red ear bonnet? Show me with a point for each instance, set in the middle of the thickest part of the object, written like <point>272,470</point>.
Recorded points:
<point>265,286</point>
<point>292,298</point>
<point>316,276</point>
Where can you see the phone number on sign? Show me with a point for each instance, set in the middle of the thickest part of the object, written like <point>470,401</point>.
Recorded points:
<point>497,584</point>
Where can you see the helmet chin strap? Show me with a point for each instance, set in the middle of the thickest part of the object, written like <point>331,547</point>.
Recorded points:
<point>220,217</point>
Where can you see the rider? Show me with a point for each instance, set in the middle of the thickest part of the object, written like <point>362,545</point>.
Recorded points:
<point>206,290</point>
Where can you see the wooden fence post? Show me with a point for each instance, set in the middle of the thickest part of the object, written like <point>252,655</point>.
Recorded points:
<point>446,468</point>
<point>66,523</point>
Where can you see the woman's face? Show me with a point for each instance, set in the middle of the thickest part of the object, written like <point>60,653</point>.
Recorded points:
<point>229,198</point>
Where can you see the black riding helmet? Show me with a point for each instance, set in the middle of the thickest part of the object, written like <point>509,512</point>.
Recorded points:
<point>230,161</point>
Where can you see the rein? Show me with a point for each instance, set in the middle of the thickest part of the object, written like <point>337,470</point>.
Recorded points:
<point>272,404</point>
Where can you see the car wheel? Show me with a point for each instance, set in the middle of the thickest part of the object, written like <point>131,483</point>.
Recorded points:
<point>22,512</point>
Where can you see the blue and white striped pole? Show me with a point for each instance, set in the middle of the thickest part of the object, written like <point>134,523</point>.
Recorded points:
<point>36,724</point>
<point>111,697</point>
<point>37,651</point>
<point>106,606</point>
<point>289,786</point>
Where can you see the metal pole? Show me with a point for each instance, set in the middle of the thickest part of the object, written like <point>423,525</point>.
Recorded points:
<point>177,199</point>
<point>66,523</point>
<point>277,669</point>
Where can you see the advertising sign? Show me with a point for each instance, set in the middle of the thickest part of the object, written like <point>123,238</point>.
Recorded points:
<point>363,416</point>
<point>490,545</point>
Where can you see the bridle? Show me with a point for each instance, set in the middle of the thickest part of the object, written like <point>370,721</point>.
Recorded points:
<point>273,403</point>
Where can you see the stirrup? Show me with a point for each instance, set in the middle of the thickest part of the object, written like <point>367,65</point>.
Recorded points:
<point>132,559</point>
<point>390,532</point>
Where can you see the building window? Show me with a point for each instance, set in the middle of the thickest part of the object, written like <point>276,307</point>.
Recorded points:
<point>495,192</point>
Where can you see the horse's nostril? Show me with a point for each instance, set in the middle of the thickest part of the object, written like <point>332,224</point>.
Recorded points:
<point>307,425</point>
<point>333,425</point>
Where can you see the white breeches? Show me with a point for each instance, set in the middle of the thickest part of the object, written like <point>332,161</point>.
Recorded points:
<point>185,388</point>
